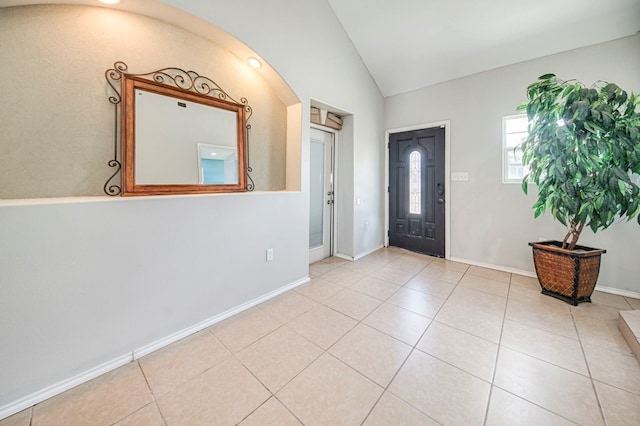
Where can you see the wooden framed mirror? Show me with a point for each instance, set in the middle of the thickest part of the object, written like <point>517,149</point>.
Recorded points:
<point>180,133</point>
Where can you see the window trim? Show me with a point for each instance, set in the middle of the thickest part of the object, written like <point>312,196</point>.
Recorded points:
<point>506,150</point>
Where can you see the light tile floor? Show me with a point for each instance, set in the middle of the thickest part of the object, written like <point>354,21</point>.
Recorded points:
<point>393,339</point>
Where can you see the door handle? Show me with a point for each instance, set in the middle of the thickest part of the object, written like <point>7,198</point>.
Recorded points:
<point>440,200</point>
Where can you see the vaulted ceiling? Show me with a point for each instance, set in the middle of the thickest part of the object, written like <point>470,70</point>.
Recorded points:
<point>410,44</point>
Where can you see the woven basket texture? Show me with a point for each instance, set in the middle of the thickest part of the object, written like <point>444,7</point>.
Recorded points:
<point>556,273</point>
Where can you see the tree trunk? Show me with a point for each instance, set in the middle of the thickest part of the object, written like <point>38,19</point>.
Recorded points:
<point>574,232</point>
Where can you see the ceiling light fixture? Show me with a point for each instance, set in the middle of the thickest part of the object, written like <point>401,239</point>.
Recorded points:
<point>254,62</point>
<point>109,1</point>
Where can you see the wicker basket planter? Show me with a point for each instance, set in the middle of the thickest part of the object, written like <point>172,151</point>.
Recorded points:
<point>568,275</point>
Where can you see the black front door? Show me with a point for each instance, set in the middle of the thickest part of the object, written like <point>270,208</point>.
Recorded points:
<point>416,191</point>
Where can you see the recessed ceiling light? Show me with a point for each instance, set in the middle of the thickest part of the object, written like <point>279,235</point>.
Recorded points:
<point>213,153</point>
<point>254,62</point>
<point>109,1</point>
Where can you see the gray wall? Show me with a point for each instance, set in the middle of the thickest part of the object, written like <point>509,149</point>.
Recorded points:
<point>56,124</point>
<point>87,280</point>
<point>305,46</point>
<point>492,222</point>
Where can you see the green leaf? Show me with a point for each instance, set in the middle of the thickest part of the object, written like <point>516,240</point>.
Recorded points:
<point>582,169</point>
<point>573,96</point>
<point>621,175</point>
<point>582,110</point>
<point>610,90</point>
<point>622,187</point>
<point>538,209</point>
<point>561,219</point>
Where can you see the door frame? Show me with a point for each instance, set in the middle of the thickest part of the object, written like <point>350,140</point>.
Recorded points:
<point>447,178</point>
<point>334,216</point>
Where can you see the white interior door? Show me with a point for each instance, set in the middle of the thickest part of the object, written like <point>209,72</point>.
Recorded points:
<point>321,195</point>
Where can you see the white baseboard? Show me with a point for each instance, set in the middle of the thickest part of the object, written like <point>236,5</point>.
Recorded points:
<point>357,256</point>
<point>496,267</point>
<point>604,289</point>
<point>366,253</point>
<point>344,256</point>
<point>64,385</point>
<point>619,292</point>
<point>161,343</point>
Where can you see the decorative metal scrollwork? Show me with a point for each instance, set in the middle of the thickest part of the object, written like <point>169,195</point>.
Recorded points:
<point>186,80</point>
<point>113,75</point>
<point>250,184</point>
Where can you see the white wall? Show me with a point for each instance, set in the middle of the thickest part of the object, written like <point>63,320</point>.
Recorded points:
<point>56,123</point>
<point>307,45</point>
<point>492,222</point>
<point>85,281</point>
<point>345,199</point>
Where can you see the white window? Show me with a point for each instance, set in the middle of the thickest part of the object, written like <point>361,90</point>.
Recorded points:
<point>514,131</point>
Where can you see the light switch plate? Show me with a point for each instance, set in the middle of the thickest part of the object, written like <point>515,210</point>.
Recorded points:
<point>460,176</point>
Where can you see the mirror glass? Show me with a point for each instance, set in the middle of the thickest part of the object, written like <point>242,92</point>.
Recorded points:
<point>179,141</point>
<point>217,164</point>
<point>176,140</point>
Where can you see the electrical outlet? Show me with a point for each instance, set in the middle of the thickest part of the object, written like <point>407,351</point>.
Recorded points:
<point>269,254</point>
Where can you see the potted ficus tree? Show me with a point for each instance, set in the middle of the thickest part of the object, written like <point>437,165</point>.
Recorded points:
<point>583,154</point>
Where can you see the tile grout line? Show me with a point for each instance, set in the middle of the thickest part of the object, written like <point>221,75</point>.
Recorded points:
<point>515,350</point>
<point>231,355</point>
<point>326,351</point>
<point>431,322</point>
<point>528,355</point>
<point>413,348</point>
<point>386,388</point>
<point>154,400</point>
<point>495,365</point>
<point>283,324</point>
<point>287,408</point>
<point>586,361</point>
<point>386,262</point>
<point>271,394</point>
<point>358,322</point>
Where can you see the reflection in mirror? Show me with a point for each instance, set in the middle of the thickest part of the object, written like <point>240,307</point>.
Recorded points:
<point>169,133</point>
<point>180,134</point>
<point>217,164</point>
